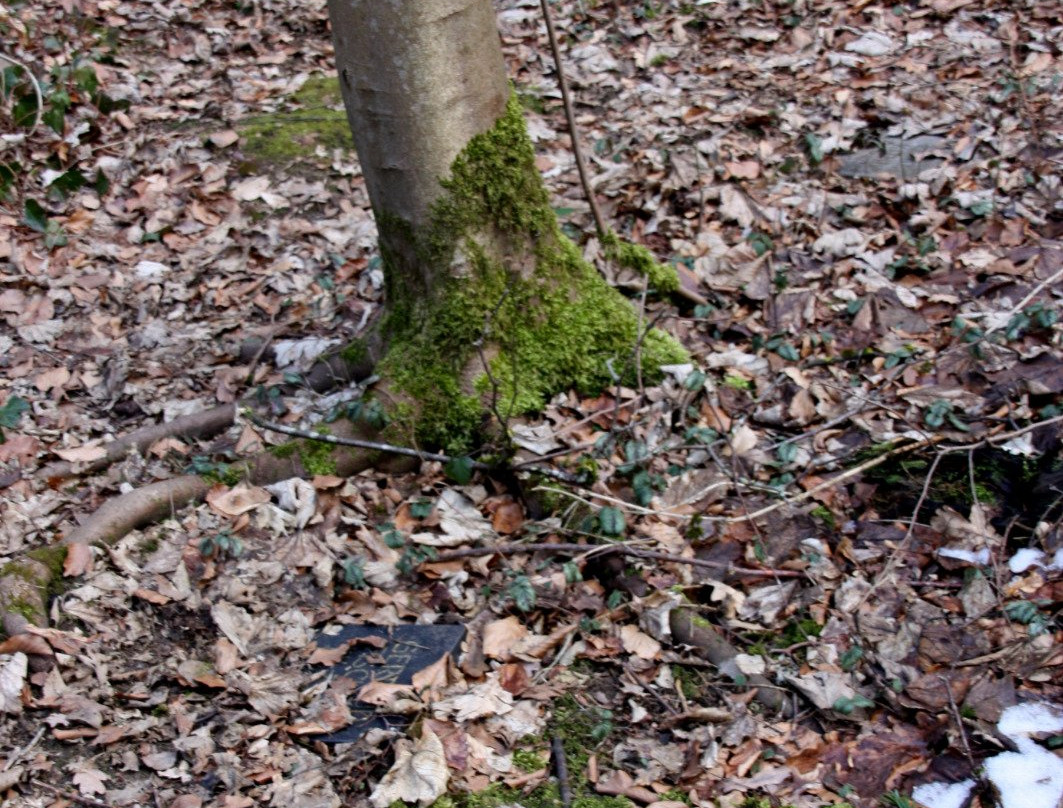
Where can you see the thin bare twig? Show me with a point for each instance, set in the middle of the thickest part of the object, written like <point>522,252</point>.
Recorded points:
<point>560,765</point>
<point>36,89</point>
<point>570,117</point>
<point>603,549</point>
<point>372,445</point>
<point>959,722</point>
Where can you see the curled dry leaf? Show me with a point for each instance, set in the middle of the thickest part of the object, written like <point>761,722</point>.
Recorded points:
<point>78,559</point>
<point>82,454</point>
<point>419,775</point>
<point>235,501</point>
<point>501,635</point>
<point>13,669</point>
<point>639,643</point>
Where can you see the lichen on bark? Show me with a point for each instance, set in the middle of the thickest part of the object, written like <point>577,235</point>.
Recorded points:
<point>496,279</point>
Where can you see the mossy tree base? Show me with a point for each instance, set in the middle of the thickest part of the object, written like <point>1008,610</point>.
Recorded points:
<point>492,310</point>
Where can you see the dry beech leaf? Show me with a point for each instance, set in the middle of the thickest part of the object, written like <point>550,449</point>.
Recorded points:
<point>26,644</point>
<point>13,669</point>
<point>513,678</point>
<point>78,559</point>
<point>508,517</point>
<point>236,501</point>
<point>89,780</point>
<point>501,635</point>
<point>419,775</point>
<point>82,454</point>
<point>639,643</point>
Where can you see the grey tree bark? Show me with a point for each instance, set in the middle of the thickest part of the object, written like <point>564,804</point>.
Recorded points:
<point>420,78</point>
<point>490,310</point>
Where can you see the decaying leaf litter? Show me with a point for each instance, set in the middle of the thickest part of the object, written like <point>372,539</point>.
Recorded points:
<point>868,197</point>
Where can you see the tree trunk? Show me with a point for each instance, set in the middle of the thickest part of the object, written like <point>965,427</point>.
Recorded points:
<point>490,309</point>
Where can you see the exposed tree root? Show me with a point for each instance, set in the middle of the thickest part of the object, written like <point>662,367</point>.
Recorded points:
<point>690,629</point>
<point>26,581</point>
<point>203,424</point>
<point>327,373</point>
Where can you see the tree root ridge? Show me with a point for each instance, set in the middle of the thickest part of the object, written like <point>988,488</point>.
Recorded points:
<point>328,372</point>
<point>25,581</point>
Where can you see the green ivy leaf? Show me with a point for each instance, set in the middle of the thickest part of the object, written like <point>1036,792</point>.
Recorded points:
<point>421,508</point>
<point>459,469</point>
<point>67,183</point>
<point>846,706</point>
<point>850,658</point>
<point>611,521</point>
<point>522,592</point>
<point>695,380</point>
<point>788,352</point>
<point>12,411</point>
<point>35,216</point>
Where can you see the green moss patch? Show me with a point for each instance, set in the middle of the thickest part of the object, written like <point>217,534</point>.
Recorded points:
<point>313,119</point>
<point>551,319</point>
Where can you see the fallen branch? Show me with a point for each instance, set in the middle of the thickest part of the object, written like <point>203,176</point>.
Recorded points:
<point>26,580</point>
<point>689,629</point>
<point>327,373</point>
<point>405,451</point>
<point>604,549</point>
<point>203,424</point>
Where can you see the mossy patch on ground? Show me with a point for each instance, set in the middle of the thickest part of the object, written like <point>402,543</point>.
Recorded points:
<point>305,133</point>
<point>581,732</point>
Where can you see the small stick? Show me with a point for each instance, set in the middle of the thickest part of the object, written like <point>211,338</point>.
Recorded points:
<point>18,754</point>
<point>70,795</point>
<point>959,721</point>
<point>561,765</point>
<point>373,445</point>
<point>592,549</point>
<point>570,116</point>
<point>36,89</point>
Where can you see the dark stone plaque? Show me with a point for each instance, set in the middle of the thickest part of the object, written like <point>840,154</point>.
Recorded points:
<point>407,649</point>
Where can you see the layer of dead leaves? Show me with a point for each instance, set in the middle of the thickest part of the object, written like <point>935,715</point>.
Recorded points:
<point>869,197</point>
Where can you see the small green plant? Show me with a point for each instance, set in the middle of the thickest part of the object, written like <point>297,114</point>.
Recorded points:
<point>824,514</point>
<point>611,521</point>
<point>1037,317</point>
<point>221,545</point>
<point>738,382</point>
<point>1029,614</point>
<point>780,344</point>
<point>850,658</point>
<point>413,556</point>
<point>10,414</point>
<point>814,148</point>
<point>352,571</point>
<point>847,705</point>
<point>528,761</point>
<point>939,411</point>
<point>213,470</point>
<point>522,593</point>
<point>895,799</point>
<point>902,354</point>
<point>761,243</point>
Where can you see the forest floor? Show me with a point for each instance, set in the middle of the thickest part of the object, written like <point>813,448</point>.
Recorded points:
<point>841,554</point>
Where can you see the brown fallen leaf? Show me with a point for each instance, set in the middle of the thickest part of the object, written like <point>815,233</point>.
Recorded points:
<point>419,775</point>
<point>82,454</point>
<point>500,636</point>
<point>78,559</point>
<point>236,501</point>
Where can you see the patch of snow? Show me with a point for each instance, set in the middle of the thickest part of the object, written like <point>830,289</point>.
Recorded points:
<point>943,795</point>
<point>1029,778</point>
<point>973,556</point>
<point>1032,557</point>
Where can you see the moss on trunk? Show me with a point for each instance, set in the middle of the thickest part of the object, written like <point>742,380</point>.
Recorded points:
<point>495,278</point>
